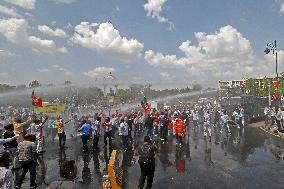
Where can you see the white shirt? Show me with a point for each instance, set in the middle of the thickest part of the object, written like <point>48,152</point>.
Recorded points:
<point>123,129</point>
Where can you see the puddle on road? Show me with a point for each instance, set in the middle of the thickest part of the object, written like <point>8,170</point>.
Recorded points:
<point>224,162</point>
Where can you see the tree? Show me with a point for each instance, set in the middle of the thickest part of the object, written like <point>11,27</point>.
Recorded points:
<point>197,87</point>
<point>34,84</point>
<point>67,83</point>
<point>20,87</point>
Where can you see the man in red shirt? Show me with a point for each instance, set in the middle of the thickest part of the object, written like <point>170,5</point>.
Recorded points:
<point>107,126</point>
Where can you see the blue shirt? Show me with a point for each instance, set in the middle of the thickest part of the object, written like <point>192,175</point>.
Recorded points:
<point>86,129</point>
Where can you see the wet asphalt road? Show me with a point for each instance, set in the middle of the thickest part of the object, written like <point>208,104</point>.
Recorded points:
<point>248,158</point>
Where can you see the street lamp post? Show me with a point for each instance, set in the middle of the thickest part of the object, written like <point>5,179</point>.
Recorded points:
<point>271,47</point>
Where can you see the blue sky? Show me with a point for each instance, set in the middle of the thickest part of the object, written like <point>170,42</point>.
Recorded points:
<point>167,42</point>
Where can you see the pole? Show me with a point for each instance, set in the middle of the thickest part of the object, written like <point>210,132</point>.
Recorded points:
<point>276,65</point>
<point>269,95</point>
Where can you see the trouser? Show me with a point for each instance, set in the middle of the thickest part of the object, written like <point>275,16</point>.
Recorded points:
<point>27,166</point>
<point>95,142</point>
<point>62,139</point>
<point>207,130</point>
<point>136,130</point>
<point>150,176</point>
<point>39,147</point>
<point>179,139</point>
<point>273,120</point>
<point>225,125</point>
<point>164,132</point>
<point>124,142</point>
<point>75,131</point>
<point>85,139</point>
<point>107,135</point>
<point>279,125</point>
<point>149,132</point>
<point>114,128</point>
<point>195,124</point>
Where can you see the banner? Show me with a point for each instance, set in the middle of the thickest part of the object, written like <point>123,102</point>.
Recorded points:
<point>53,109</point>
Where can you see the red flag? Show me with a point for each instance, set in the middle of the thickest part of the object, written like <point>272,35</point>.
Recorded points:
<point>36,101</point>
<point>275,84</point>
<point>145,106</point>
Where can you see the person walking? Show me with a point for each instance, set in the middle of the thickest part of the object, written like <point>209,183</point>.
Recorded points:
<point>147,163</point>
<point>179,130</point>
<point>278,119</point>
<point>107,126</point>
<point>207,125</point>
<point>19,127</point>
<point>224,118</point>
<point>27,157</point>
<point>59,124</point>
<point>6,175</point>
<point>96,128</point>
<point>86,131</point>
<point>123,133</point>
<point>149,125</point>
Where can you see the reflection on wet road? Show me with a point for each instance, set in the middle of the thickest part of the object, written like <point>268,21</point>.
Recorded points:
<point>248,158</point>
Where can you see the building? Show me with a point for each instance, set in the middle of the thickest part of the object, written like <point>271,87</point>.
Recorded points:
<point>241,83</point>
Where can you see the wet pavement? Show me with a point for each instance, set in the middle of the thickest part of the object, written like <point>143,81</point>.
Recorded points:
<point>248,158</point>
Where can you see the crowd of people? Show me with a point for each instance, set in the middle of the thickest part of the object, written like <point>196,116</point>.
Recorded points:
<point>274,116</point>
<point>25,133</point>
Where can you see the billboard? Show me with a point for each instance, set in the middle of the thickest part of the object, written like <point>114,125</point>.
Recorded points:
<point>53,109</point>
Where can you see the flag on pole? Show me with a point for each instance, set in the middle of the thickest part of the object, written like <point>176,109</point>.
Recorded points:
<point>145,105</point>
<point>36,101</point>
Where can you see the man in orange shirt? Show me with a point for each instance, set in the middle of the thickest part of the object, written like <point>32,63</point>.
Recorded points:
<point>179,130</point>
<point>19,127</point>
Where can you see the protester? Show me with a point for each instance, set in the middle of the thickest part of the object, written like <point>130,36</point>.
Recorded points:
<point>224,118</point>
<point>6,176</point>
<point>147,163</point>
<point>59,124</point>
<point>123,133</point>
<point>96,128</point>
<point>19,127</point>
<point>179,130</point>
<point>107,131</point>
<point>86,131</point>
<point>207,125</point>
<point>149,125</point>
<point>27,157</point>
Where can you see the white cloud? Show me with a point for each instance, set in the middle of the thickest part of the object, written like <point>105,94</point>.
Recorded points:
<point>64,1</point>
<point>43,70</point>
<point>55,66</point>
<point>54,33</point>
<point>3,74</point>
<point>16,31</point>
<point>270,59</point>
<point>99,71</point>
<point>165,76</point>
<point>61,69</point>
<point>26,4</point>
<point>68,26</point>
<point>10,12</point>
<point>106,39</point>
<point>282,8</point>
<point>226,53</point>
<point>154,9</point>
<point>5,54</point>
